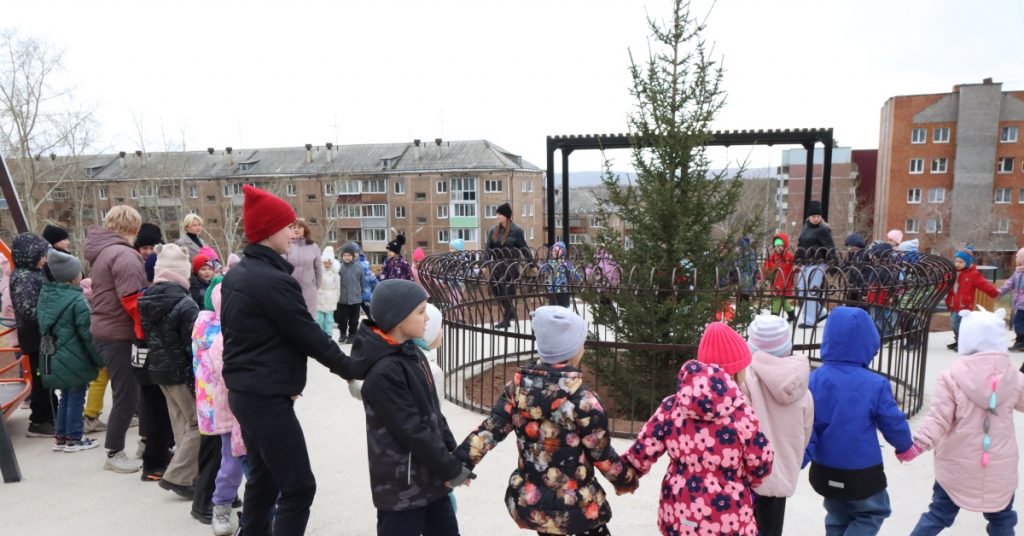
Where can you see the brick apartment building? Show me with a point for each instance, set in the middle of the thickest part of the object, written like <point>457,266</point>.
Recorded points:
<point>849,208</point>
<point>433,192</point>
<point>584,221</point>
<point>950,169</point>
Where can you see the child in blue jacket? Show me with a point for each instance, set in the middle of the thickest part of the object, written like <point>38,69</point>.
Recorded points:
<point>851,402</point>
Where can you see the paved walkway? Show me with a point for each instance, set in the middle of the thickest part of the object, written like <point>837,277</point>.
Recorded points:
<point>71,494</point>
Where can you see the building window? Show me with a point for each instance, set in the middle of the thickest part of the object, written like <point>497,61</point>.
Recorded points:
<point>467,235</point>
<point>442,236</point>
<point>328,188</point>
<point>491,211</point>
<point>914,195</point>
<point>1003,195</point>
<point>933,226</point>
<point>399,211</point>
<point>527,185</point>
<point>374,211</point>
<point>422,244</point>
<point>1005,165</point>
<point>916,165</point>
<point>936,195</point>
<point>421,220</point>
<point>333,212</point>
<point>442,187</point>
<point>464,210</point>
<point>578,239</point>
<point>211,198</point>
<point>101,192</point>
<point>911,226</point>
<point>421,196</point>
<point>940,165</point>
<point>193,192</point>
<point>349,187</point>
<point>1008,135</point>
<point>531,234</point>
<point>373,234</point>
<point>378,186</point>
<point>442,212</point>
<point>59,194</point>
<point>919,135</point>
<point>596,222</point>
<point>230,190</point>
<point>310,197</point>
<point>940,135</point>
<point>332,235</point>
<point>289,190</point>
<point>463,196</point>
<point>399,187</point>
<point>493,186</point>
<point>1002,226</point>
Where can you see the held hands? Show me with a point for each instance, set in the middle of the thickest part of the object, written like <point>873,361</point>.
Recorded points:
<point>465,477</point>
<point>908,455</point>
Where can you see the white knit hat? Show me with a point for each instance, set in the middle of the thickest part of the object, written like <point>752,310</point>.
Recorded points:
<point>982,331</point>
<point>770,333</point>
<point>172,263</point>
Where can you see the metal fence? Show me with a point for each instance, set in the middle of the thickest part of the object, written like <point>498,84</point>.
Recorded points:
<point>486,297</point>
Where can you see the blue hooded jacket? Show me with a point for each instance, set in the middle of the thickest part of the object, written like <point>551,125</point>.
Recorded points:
<point>850,400</point>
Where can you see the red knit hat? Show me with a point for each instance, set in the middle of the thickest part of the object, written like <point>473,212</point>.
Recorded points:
<point>264,214</point>
<point>722,346</point>
<point>199,261</point>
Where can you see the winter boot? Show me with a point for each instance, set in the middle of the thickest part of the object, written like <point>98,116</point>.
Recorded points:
<point>222,525</point>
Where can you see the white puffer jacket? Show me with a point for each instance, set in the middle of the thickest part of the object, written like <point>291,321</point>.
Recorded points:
<point>330,283</point>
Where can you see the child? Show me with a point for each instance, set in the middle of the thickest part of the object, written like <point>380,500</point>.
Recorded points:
<point>351,280</point>
<point>850,402</point>
<point>64,316</point>
<point>215,417</point>
<point>562,434</point>
<point>396,267</point>
<point>29,254</point>
<point>970,426</point>
<point>1016,284</point>
<point>417,257</point>
<point>961,294</point>
<point>203,270</point>
<point>714,441</point>
<point>168,313</point>
<point>778,269</point>
<point>329,293</point>
<point>558,272</point>
<point>776,386</point>
<point>412,469</point>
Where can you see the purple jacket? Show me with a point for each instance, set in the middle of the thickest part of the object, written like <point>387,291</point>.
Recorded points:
<point>1016,284</point>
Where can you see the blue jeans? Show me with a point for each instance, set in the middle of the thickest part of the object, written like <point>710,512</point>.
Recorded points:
<point>942,512</point>
<point>69,413</point>
<point>954,319</point>
<point>863,517</point>
<point>1018,326</point>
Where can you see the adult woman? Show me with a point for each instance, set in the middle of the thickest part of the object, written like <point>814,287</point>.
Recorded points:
<point>192,226</point>
<point>304,255</point>
<point>505,241</point>
<point>813,246</point>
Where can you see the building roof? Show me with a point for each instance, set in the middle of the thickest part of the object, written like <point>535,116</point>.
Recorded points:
<point>298,161</point>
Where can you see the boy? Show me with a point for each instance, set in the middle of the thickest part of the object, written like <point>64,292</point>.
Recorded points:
<point>412,469</point>
<point>64,316</point>
<point>850,403</point>
<point>961,294</point>
<point>562,432</point>
<point>351,295</point>
<point>29,254</point>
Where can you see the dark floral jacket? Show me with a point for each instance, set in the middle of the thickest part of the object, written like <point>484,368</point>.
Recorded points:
<point>562,435</point>
<point>396,268</point>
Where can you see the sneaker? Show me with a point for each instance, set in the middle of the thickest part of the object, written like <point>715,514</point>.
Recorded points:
<point>41,429</point>
<point>85,443</point>
<point>951,346</point>
<point>91,425</point>
<point>154,475</point>
<point>118,462</point>
<point>58,446</point>
<point>204,516</point>
<point>185,492</point>
<point>222,525</point>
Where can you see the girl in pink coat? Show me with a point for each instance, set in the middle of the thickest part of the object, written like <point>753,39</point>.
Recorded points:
<point>713,438</point>
<point>970,426</point>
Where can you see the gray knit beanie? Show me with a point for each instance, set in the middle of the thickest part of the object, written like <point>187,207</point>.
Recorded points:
<point>560,333</point>
<point>63,267</point>
<point>393,300</point>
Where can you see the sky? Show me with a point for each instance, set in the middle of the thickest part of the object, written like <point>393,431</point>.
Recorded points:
<point>274,74</point>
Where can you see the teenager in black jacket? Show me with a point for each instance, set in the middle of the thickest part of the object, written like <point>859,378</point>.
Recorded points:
<point>267,335</point>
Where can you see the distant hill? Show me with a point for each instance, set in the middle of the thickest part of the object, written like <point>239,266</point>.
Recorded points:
<point>583,179</point>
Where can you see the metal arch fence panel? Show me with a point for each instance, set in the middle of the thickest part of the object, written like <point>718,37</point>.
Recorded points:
<point>480,291</point>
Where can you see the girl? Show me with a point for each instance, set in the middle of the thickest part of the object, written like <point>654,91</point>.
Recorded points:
<point>329,293</point>
<point>304,256</point>
<point>1016,284</point>
<point>396,267</point>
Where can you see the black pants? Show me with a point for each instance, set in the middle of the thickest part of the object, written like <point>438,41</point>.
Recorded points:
<point>347,316</point>
<point>769,512</point>
<point>279,465</point>
<point>44,402</point>
<point>506,294</point>
<point>155,426</point>
<point>206,479</point>
<point>596,531</point>
<point>434,519</point>
<point>562,299</point>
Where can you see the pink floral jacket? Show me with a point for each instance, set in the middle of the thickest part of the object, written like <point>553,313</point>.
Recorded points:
<point>717,452</point>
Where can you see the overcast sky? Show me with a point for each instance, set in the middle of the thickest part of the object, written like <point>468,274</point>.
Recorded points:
<point>266,74</point>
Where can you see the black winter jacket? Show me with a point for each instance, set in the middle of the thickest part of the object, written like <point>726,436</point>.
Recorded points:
<point>408,441</point>
<point>168,314</point>
<point>814,240</point>
<point>26,282</point>
<point>197,289</point>
<point>267,329</point>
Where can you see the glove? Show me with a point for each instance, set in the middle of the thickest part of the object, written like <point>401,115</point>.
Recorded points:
<point>463,478</point>
<point>908,455</point>
<point>355,389</point>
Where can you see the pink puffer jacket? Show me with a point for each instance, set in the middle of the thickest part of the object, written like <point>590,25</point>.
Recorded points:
<point>777,388</point>
<point>212,410</point>
<point>954,428</point>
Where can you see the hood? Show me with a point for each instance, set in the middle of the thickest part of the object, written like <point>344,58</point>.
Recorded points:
<point>705,391</point>
<point>744,242</point>
<point>60,295</point>
<point>785,239</point>
<point>850,337</point>
<point>99,238</point>
<point>351,248</point>
<point>160,298</point>
<point>785,378</point>
<point>540,376</point>
<point>27,249</point>
<point>1020,257</point>
<point>974,374</point>
<point>327,254</point>
<point>855,240</point>
<point>369,348</point>
<point>880,249</point>
<point>910,246</point>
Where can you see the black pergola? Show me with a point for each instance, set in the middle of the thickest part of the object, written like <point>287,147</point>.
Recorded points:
<point>807,137</point>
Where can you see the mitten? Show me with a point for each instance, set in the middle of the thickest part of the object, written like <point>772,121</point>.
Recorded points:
<point>909,454</point>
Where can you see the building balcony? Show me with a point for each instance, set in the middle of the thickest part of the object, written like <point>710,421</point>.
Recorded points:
<point>152,201</point>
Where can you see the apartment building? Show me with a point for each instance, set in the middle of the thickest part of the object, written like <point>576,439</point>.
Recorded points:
<point>951,169</point>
